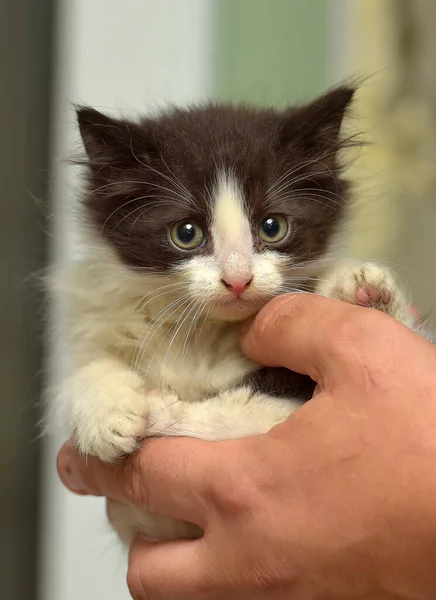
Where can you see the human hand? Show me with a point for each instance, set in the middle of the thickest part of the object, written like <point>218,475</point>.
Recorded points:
<point>335,503</point>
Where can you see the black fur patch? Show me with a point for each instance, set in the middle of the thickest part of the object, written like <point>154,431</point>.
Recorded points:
<point>146,176</point>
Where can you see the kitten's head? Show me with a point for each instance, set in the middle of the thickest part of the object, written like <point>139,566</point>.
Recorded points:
<point>228,203</point>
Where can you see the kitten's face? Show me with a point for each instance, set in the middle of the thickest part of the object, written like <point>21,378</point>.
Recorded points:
<point>231,205</point>
<point>229,263</point>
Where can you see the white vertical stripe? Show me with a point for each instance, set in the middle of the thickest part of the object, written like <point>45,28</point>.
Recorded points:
<point>231,229</point>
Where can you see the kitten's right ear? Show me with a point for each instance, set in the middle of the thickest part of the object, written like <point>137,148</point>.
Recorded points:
<point>111,141</point>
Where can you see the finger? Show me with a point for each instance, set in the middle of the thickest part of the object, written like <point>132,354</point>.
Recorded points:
<point>176,570</point>
<point>69,471</point>
<point>317,336</point>
<point>167,476</point>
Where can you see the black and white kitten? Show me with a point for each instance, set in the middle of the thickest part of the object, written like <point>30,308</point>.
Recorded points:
<point>196,219</point>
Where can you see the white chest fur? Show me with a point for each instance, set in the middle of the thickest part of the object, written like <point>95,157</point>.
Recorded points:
<point>115,315</point>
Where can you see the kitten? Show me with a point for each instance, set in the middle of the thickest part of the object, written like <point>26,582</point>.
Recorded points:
<point>195,219</point>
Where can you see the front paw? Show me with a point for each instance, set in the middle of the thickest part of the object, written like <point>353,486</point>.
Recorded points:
<point>114,429</point>
<point>371,286</point>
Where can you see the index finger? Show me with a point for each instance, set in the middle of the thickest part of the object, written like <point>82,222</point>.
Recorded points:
<point>167,476</point>
<point>319,336</point>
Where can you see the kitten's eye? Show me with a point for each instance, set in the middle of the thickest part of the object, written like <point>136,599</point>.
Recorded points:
<point>187,235</point>
<point>273,229</point>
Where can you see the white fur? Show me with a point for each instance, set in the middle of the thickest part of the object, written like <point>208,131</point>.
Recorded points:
<point>157,354</point>
<point>231,231</point>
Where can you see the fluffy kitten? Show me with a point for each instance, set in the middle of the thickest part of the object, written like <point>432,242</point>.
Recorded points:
<point>194,219</point>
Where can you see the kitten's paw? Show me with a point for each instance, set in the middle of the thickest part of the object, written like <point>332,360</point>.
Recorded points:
<point>119,425</point>
<point>115,430</point>
<point>372,286</point>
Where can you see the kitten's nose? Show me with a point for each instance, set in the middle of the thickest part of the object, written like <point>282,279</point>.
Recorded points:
<point>237,286</point>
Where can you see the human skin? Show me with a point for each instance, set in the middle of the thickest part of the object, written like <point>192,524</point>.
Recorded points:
<point>335,503</point>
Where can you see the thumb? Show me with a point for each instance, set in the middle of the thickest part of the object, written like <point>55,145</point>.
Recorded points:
<point>314,335</point>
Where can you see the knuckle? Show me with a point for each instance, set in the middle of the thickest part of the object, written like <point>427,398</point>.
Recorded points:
<point>354,341</point>
<point>225,499</point>
<point>271,580</point>
<point>348,328</point>
<point>240,492</point>
<point>134,484</point>
<point>372,322</point>
<point>356,325</point>
<point>268,576</point>
<point>233,495</point>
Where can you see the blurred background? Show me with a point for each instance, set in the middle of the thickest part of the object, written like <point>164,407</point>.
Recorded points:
<point>139,55</point>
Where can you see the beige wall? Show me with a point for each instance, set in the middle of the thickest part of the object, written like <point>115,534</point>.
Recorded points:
<point>395,199</point>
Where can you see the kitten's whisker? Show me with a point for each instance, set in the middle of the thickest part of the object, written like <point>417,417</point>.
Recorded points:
<point>179,323</point>
<point>129,214</point>
<point>143,209</point>
<point>186,201</point>
<point>198,333</point>
<point>286,175</point>
<point>174,287</point>
<point>142,302</point>
<point>319,198</point>
<point>159,320</point>
<point>335,259</point>
<point>154,330</point>
<point>298,284</point>
<point>316,262</point>
<point>159,201</point>
<point>120,183</point>
<point>305,278</point>
<point>187,198</point>
<point>121,207</point>
<point>186,335</point>
<point>304,192</point>
<point>306,177</point>
<point>162,431</point>
<point>193,327</point>
<point>151,323</point>
<point>310,176</point>
<point>182,321</point>
<point>298,168</point>
<point>324,191</point>
<point>291,289</point>
<point>165,407</point>
<point>164,319</point>
<point>177,182</point>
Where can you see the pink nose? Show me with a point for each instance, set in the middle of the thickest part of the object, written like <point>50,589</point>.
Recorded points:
<point>237,286</point>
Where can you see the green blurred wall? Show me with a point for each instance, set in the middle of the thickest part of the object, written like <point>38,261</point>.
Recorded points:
<point>270,51</point>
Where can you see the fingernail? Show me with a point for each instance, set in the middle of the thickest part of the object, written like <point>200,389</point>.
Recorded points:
<point>69,469</point>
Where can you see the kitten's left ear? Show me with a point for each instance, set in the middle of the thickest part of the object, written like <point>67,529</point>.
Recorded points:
<point>315,128</point>
<point>110,141</point>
